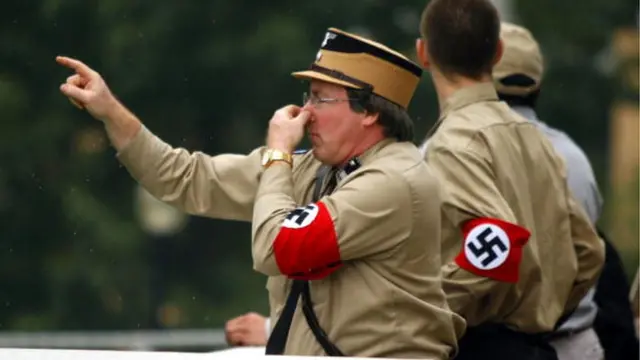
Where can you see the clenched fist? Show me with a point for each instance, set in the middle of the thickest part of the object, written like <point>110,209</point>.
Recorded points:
<point>86,89</point>
<point>247,330</point>
<point>286,128</point>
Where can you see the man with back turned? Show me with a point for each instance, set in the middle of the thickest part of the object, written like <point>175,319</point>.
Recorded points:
<point>519,253</point>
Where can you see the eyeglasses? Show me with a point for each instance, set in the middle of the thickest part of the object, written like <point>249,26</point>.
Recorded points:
<point>315,100</point>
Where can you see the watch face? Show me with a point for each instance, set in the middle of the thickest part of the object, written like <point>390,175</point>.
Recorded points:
<point>265,157</point>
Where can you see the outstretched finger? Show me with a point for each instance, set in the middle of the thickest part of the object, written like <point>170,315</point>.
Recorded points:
<point>77,65</point>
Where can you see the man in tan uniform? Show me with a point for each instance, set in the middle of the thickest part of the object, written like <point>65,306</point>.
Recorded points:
<point>353,227</point>
<point>519,253</point>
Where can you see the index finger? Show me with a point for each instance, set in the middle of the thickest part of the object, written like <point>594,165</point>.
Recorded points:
<point>77,65</point>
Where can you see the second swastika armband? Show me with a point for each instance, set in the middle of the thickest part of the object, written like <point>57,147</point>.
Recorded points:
<point>492,248</point>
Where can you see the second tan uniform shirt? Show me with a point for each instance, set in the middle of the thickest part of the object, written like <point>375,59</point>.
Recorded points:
<point>386,299</point>
<point>493,164</point>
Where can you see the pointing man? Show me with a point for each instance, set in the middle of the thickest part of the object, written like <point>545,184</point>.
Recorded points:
<point>348,234</point>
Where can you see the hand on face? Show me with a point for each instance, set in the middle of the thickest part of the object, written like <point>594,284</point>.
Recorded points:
<point>287,127</point>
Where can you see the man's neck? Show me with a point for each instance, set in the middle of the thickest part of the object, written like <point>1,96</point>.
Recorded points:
<point>447,86</point>
<point>367,142</point>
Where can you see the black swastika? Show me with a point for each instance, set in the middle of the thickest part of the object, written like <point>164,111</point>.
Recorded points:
<point>487,246</point>
<point>300,214</point>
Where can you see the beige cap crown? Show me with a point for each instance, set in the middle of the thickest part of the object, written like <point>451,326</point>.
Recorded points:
<point>355,62</point>
<point>521,56</point>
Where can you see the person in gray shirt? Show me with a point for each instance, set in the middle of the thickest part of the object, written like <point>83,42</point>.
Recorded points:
<point>517,78</point>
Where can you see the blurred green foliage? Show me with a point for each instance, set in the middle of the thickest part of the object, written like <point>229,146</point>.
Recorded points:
<point>204,75</point>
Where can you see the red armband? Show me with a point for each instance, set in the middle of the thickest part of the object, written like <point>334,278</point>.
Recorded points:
<point>492,248</point>
<point>307,245</point>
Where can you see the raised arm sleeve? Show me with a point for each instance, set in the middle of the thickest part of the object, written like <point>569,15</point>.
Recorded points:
<point>222,186</point>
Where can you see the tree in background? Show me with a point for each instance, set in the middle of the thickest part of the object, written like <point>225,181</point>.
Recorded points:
<point>203,75</point>
<point>591,89</point>
<point>207,76</point>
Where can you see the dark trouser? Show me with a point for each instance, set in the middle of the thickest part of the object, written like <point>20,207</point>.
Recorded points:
<point>614,322</point>
<point>496,342</point>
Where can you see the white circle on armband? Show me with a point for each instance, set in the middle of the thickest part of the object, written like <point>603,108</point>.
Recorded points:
<point>487,246</point>
<point>301,217</point>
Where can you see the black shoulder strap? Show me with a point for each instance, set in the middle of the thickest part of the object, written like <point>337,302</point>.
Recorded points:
<point>307,306</point>
<point>278,338</point>
<point>307,309</point>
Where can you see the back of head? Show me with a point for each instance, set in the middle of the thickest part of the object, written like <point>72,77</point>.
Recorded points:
<point>462,36</point>
<point>518,74</point>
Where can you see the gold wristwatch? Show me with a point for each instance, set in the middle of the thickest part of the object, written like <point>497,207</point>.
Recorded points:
<point>272,155</point>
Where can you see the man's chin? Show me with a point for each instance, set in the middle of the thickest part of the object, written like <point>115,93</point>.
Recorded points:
<point>315,143</point>
<point>317,152</point>
<point>319,155</point>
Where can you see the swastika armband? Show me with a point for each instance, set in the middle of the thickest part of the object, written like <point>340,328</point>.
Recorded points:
<point>307,246</point>
<point>492,248</point>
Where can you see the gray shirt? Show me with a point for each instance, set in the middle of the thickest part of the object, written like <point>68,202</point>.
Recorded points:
<point>583,185</point>
<point>582,181</point>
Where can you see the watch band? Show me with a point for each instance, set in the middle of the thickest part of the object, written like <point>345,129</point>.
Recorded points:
<point>272,155</point>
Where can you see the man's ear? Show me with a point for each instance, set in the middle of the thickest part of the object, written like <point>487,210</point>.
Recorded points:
<point>499,52</point>
<point>370,119</point>
<point>422,53</point>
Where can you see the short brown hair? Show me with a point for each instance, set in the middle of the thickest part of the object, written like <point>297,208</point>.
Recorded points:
<point>393,118</point>
<point>462,36</point>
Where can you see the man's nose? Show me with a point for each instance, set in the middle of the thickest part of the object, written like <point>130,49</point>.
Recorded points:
<point>308,107</point>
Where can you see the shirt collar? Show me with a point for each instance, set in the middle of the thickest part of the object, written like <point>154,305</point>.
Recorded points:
<point>468,95</point>
<point>464,97</point>
<point>357,161</point>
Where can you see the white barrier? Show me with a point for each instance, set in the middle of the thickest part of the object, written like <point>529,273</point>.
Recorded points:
<point>149,340</point>
<point>60,354</point>
<point>239,352</point>
<point>227,354</point>
<point>45,354</point>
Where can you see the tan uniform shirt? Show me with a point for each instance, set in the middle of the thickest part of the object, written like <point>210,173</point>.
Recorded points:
<point>387,299</point>
<point>494,164</point>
